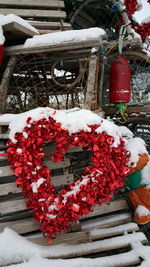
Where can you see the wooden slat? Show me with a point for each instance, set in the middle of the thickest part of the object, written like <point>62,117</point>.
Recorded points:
<point>107,221</point>
<point>50,25</point>
<point>4,135</point>
<point>85,236</point>
<point>19,205</point>
<point>70,251</point>
<point>67,238</point>
<point>19,49</point>
<point>36,3</point>
<point>108,207</point>
<point>5,189</point>
<point>22,226</point>
<point>12,206</point>
<point>34,13</point>
<point>113,231</point>
<point>7,171</point>
<point>14,29</point>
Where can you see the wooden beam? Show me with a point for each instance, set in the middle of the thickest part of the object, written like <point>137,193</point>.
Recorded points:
<point>113,231</point>
<point>21,50</point>
<point>7,171</point>
<point>34,13</point>
<point>33,3</point>
<point>70,251</point>
<point>21,226</point>
<point>107,207</point>
<point>12,188</point>
<point>91,95</point>
<point>17,30</point>
<point>50,25</point>
<point>131,109</point>
<point>5,82</point>
<point>106,221</point>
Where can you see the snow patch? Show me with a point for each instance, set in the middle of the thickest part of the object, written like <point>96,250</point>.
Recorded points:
<point>142,211</point>
<point>66,36</point>
<point>13,18</point>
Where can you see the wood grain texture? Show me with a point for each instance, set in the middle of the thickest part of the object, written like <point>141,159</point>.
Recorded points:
<point>50,25</point>
<point>108,207</point>
<point>34,13</point>
<point>17,30</point>
<point>8,188</point>
<point>19,49</point>
<point>35,3</point>
<point>21,226</point>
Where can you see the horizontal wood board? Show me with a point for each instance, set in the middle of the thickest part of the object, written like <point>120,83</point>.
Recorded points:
<point>33,3</point>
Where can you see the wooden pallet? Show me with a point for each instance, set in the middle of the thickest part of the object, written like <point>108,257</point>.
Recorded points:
<point>106,233</point>
<point>46,15</point>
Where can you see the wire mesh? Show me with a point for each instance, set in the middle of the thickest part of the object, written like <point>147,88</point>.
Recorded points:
<point>38,81</point>
<point>96,13</point>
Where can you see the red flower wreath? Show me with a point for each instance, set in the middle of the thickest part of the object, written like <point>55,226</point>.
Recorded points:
<point>54,210</point>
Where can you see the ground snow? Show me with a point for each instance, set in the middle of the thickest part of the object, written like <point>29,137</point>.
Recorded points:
<point>17,249</point>
<point>65,37</point>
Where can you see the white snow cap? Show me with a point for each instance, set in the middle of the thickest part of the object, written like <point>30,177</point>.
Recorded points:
<point>2,38</point>
<point>125,132</point>
<point>135,146</point>
<point>13,18</point>
<point>66,36</point>
<point>73,120</point>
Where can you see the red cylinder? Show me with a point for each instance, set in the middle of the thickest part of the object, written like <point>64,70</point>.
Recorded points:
<point>120,80</point>
<point>1,53</point>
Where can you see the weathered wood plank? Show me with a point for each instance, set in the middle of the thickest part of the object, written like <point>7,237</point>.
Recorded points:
<point>5,189</point>
<point>85,236</point>
<point>106,221</point>
<point>35,3</point>
<point>5,83</point>
<point>108,207</point>
<point>12,206</point>
<point>15,29</point>
<point>113,231</point>
<point>67,238</point>
<point>19,49</point>
<point>70,251</point>
<point>4,135</point>
<point>130,110</point>
<point>22,226</point>
<point>7,171</point>
<point>50,25</point>
<point>34,13</point>
<point>19,205</point>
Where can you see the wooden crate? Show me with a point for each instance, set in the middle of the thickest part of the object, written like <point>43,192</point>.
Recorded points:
<point>46,15</point>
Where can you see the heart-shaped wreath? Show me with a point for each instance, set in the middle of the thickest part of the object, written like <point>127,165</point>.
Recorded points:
<point>55,211</point>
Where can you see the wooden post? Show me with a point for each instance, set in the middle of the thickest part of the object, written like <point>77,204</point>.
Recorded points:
<point>91,96</point>
<point>5,82</point>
